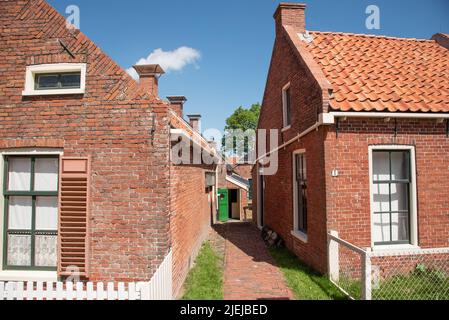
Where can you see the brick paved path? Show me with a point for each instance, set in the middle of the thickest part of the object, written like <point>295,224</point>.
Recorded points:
<point>250,272</point>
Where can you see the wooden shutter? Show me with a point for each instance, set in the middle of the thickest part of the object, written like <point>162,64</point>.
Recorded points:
<point>73,244</point>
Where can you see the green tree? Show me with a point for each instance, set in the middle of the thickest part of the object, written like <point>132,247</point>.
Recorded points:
<point>240,130</point>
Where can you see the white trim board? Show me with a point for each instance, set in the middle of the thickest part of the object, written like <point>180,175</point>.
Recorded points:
<point>237,183</point>
<point>32,71</point>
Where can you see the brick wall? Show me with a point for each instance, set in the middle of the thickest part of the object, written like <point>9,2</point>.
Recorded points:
<point>191,210</point>
<point>111,123</point>
<point>348,196</point>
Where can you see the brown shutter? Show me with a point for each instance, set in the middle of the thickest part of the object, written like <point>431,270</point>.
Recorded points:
<point>73,244</point>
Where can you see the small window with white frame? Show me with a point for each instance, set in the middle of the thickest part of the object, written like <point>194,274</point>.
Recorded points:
<point>55,79</point>
<point>393,196</point>
<point>286,106</point>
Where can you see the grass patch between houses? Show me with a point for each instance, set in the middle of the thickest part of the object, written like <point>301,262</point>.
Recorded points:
<point>304,282</point>
<point>205,280</point>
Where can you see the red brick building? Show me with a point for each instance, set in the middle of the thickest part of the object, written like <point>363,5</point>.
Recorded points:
<point>364,140</point>
<point>88,181</point>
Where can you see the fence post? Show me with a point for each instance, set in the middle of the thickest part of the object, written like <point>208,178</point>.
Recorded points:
<point>145,290</point>
<point>366,275</point>
<point>333,258</point>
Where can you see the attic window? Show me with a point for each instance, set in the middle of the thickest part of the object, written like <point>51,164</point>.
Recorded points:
<point>55,79</point>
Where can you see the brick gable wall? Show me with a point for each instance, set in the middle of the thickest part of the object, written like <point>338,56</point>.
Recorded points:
<point>111,123</point>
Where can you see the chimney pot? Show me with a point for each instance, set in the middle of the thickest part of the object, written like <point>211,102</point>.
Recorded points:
<point>291,14</point>
<point>195,122</point>
<point>149,76</point>
<point>177,104</point>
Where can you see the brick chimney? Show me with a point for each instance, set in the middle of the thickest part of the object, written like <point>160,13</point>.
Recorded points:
<point>195,122</point>
<point>291,14</point>
<point>177,104</point>
<point>149,76</point>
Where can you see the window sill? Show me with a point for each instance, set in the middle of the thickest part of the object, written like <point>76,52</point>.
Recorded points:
<point>301,236</point>
<point>285,129</point>
<point>55,92</point>
<point>45,276</point>
<point>395,247</point>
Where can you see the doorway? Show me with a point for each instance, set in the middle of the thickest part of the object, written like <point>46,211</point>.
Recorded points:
<point>229,204</point>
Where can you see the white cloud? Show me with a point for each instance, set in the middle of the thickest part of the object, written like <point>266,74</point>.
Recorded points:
<point>174,60</point>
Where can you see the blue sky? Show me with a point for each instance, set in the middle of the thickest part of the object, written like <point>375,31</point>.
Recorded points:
<point>234,37</point>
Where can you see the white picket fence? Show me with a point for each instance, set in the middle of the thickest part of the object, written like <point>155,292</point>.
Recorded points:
<point>159,288</point>
<point>71,291</point>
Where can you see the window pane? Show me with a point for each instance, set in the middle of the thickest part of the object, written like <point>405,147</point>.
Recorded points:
<point>47,213</point>
<point>399,197</point>
<point>46,174</point>
<point>19,176</point>
<point>381,227</point>
<point>381,166</point>
<point>400,225</point>
<point>381,198</point>
<point>46,250</point>
<point>71,80</point>
<point>20,211</point>
<point>400,165</point>
<point>19,250</point>
<point>47,81</point>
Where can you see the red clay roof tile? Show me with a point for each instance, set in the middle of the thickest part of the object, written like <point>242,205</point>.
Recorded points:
<point>382,73</point>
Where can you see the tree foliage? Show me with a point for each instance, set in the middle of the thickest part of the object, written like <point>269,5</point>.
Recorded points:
<point>244,119</point>
<point>239,137</point>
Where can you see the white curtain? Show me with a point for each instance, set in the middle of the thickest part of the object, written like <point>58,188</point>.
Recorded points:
<point>46,174</point>
<point>47,213</point>
<point>20,212</point>
<point>19,174</point>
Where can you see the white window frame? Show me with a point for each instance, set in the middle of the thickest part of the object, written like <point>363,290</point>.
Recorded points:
<point>414,241</point>
<point>285,124</point>
<point>295,232</point>
<point>32,71</point>
<point>19,275</point>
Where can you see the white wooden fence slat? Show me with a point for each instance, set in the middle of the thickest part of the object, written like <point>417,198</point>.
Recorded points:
<point>30,291</point>
<point>10,290</point>
<point>90,294</point>
<point>2,290</point>
<point>39,290</point>
<point>69,291</point>
<point>19,291</point>
<point>100,291</point>
<point>48,291</point>
<point>79,291</point>
<point>111,292</point>
<point>59,291</point>
<point>132,295</point>
<point>121,291</point>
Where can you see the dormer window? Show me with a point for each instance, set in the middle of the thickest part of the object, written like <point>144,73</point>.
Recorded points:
<point>55,79</point>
